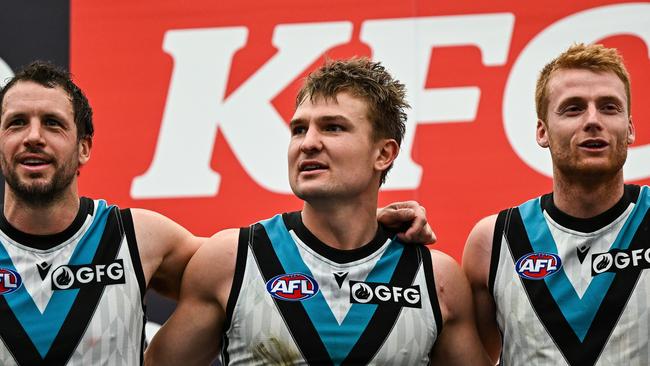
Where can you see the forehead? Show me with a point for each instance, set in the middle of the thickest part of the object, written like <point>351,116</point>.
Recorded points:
<point>571,83</point>
<point>31,97</point>
<point>343,104</point>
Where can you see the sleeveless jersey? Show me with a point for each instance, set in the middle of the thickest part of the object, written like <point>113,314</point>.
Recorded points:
<point>297,301</point>
<point>572,291</point>
<point>73,298</point>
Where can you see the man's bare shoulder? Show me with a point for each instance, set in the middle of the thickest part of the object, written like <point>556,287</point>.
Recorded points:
<point>220,249</point>
<point>478,251</point>
<point>483,233</point>
<point>213,266</point>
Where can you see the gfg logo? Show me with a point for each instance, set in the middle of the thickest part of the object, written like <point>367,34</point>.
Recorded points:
<point>383,293</point>
<point>71,277</point>
<point>620,260</point>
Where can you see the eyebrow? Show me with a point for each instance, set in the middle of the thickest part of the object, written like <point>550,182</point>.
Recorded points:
<point>326,118</point>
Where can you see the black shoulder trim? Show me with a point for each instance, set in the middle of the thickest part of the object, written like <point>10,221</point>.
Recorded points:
<point>497,237</point>
<point>126,218</point>
<point>431,286</point>
<point>293,313</point>
<point>293,221</point>
<point>630,195</point>
<point>237,280</point>
<point>45,242</point>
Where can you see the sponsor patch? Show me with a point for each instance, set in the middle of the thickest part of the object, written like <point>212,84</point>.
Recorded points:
<point>77,276</point>
<point>620,260</point>
<point>383,293</point>
<point>10,281</point>
<point>536,266</point>
<point>292,287</point>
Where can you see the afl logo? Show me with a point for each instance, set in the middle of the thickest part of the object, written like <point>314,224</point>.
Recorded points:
<point>10,281</point>
<point>536,266</point>
<point>292,287</point>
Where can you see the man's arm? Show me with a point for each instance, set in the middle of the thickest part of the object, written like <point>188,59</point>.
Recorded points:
<point>165,248</point>
<point>410,219</point>
<point>476,264</point>
<point>191,336</point>
<point>458,343</point>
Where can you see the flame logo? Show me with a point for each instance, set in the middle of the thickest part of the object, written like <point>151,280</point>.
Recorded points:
<point>62,278</point>
<point>362,293</point>
<point>604,263</point>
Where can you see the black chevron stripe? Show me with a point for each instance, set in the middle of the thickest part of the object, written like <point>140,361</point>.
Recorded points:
<point>384,318</point>
<point>294,314</point>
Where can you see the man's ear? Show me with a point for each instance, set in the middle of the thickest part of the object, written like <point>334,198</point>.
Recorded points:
<point>541,134</point>
<point>631,134</point>
<point>85,145</point>
<point>387,153</point>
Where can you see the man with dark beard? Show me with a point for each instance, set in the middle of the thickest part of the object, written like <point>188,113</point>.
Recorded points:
<point>559,280</point>
<point>72,274</point>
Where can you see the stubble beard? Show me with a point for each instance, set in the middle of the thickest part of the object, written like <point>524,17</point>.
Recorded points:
<point>576,170</point>
<point>41,194</point>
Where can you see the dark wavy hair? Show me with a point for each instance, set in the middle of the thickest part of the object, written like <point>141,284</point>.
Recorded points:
<point>51,76</point>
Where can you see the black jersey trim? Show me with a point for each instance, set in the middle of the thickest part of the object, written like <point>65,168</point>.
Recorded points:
<point>630,195</point>
<point>293,221</point>
<point>386,315</point>
<point>497,238</point>
<point>293,313</point>
<point>78,318</point>
<point>126,220</point>
<point>575,352</point>
<point>45,242</point>
<point>244,241</point>
<point>430,277</point>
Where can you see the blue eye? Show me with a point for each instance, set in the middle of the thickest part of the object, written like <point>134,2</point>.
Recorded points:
<point>334,128</point>
<point>298,130</point>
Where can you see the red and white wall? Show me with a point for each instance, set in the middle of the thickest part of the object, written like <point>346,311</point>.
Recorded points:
<point>192,100</point>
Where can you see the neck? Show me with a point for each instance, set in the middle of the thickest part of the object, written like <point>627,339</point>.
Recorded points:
<point>348,225</point>
<point>586,198</point>
<point>51,218</point>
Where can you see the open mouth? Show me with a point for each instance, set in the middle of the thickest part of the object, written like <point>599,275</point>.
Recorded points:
<point>594,144</point>
<point>311,166</point>
<point>34,162</point>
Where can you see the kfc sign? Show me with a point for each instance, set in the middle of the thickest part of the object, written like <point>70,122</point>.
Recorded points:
<point>192,100</point>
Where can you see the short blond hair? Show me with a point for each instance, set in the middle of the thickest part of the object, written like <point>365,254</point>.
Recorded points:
<point>593,57</point>
<point>369,80</point>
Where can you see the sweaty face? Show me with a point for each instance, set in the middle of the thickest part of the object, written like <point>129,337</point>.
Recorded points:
<point>39,151</point>
<point>588,128</point>
<point>332,153</point>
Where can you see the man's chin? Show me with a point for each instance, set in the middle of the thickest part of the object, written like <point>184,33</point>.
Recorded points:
<point>595,171</point>
<point>312,194</point>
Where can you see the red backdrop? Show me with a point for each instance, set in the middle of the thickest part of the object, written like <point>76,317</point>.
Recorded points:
<point>470,167</point>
